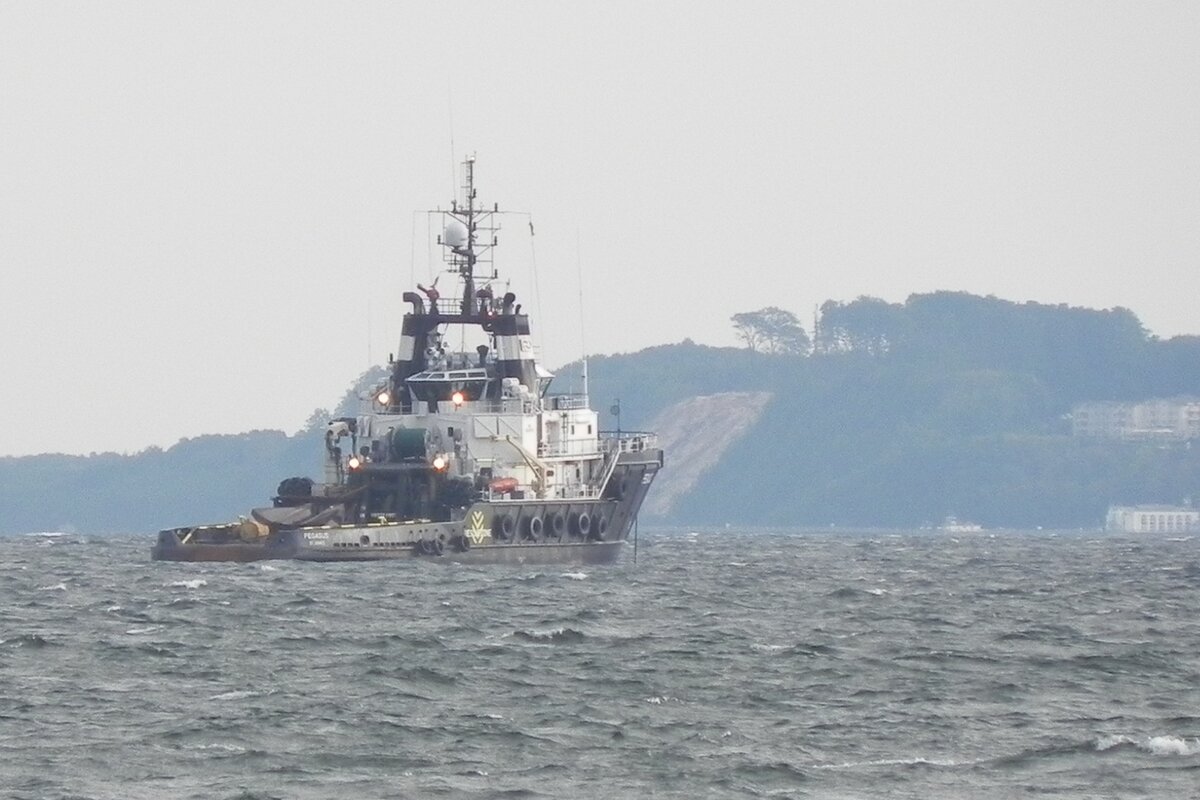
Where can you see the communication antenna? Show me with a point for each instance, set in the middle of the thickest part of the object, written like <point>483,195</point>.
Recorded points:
<point>450,115</point>
<point>582,327</point>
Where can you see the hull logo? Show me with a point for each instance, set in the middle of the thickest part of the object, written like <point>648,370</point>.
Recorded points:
<point>476,531</point>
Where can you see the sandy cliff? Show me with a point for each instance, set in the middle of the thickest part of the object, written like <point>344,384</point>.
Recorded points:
<point>695,433</point>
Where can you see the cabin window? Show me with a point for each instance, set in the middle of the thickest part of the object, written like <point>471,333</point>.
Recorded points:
<point>572,430</point>
<point>589,429</point>
<point>450,431</point>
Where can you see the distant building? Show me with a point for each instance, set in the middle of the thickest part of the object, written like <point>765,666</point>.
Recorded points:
<point>1152,519</point>
<point>1175,419</point>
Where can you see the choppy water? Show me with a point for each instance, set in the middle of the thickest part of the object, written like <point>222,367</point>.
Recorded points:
<point>721,665</point>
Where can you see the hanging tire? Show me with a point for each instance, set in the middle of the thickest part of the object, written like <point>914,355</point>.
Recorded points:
<point>534,528</point>
<point>583,524</point>
<point>601,528</point>
<point>438,547</point>
<point>558,525</point>
<point>503,527</point>
<point>462,543</point>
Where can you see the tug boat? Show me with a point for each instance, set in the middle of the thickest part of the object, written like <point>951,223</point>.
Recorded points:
<point>459,456</point>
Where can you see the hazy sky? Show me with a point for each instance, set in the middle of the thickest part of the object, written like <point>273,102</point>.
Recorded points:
<point>206,209</point>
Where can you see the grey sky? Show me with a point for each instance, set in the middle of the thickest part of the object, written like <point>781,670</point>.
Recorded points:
<point>198,199</point>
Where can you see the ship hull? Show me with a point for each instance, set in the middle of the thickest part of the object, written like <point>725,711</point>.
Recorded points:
<point>174,546</point>
<point>580,531</point>
<point>557,553</point>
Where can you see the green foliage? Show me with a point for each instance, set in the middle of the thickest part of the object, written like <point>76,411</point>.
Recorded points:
<point>946,403</point>
<point>205,479</point>
<point>772,330</point>
<point>867,325</point>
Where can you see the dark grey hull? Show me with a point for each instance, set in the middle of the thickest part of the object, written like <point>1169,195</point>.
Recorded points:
<point>554,532</point>
<point>556,553</point>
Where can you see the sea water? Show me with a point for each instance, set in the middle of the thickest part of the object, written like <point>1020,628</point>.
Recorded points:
<point>832,664</point>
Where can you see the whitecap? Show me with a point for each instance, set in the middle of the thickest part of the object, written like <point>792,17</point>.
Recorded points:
<point>1171,746</point>
<point>768,648</point>
<point>236,694</point>
<point>192,584</point>
<point>1155,745</point>
<point>575,576</point>
<point>58,587</point>
<point>140,631</point>
<point>268,568</point>
<point>658,700</point>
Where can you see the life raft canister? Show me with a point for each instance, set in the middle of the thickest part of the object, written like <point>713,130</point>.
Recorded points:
<point>503,485</point>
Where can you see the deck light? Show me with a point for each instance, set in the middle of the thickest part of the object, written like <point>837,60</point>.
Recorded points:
<point>439,463</point>
<point>457,399</point>
<point>354,462</point>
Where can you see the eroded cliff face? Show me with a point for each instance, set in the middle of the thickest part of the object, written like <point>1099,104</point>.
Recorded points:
<point>695,433</point>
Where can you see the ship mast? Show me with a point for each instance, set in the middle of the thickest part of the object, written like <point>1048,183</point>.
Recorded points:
<point>467,252</point>
<point>467,269</point>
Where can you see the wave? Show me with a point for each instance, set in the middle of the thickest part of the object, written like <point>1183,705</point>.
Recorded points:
<point>555,636</point>
<point>31,640</point>
<point>1155,745</point>
<point>195,583</point>
<point>912,761</point>
<point>239,694</point>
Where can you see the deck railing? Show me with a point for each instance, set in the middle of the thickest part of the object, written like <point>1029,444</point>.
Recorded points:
<point>628,441</point>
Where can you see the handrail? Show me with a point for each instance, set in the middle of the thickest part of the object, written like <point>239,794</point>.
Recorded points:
<point>629,441</point>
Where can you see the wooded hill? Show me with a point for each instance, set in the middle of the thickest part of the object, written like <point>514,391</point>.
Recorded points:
<point>946,404</point>
<point>897,415</point>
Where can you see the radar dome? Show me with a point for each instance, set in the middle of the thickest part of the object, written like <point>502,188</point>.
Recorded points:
<point>455,234</point>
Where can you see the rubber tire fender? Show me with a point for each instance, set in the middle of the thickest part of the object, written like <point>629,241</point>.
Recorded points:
<point>505,526</point>
<point>535,528</point>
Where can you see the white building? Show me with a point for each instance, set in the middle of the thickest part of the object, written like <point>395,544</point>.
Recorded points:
<point>1152,519</point>
<point>1157,418</point>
